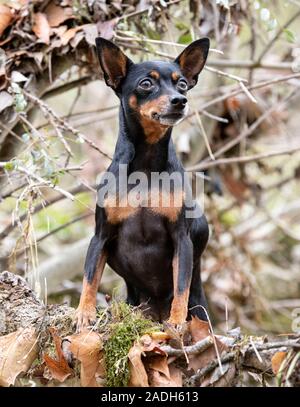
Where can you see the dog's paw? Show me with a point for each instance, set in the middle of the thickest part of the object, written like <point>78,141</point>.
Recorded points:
<point>176,331</point>
<point>84,318</point>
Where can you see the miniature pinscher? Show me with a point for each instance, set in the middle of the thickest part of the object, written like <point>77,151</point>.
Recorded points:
<point>155,248</point>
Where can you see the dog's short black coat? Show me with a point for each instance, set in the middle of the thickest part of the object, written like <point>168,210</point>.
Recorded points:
<point>156,250</point>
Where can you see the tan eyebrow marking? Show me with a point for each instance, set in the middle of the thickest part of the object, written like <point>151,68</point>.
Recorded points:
<point>175,76</point>
<point>154,74</point>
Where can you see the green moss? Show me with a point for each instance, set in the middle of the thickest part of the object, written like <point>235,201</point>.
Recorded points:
<point>128,324</point>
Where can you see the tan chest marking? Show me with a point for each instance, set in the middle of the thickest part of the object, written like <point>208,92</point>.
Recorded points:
<point>168,205</point>
<point>118,210</point>
<point>164,204</point>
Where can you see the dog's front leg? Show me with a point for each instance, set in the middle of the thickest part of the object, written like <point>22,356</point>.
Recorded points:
<point>182,275</point>
<point>85,315</point>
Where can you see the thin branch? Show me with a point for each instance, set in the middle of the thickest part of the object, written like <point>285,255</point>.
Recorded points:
<point>221,63</point>
<point>248,131</point>
<point>227,75</point>
<point>247,92</point>
<point>275,38</point>
<point>158,42</point>
<point>74,191</point>
<point>144,11</point>
<point>232,160</point>
<point>65,225</point>
<point>235,92</point>
<point>199,347</point>
<point>64,123</point>
<point>65,87</point>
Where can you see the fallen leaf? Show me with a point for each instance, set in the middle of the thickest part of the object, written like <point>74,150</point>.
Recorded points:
<point>76,40</point>
<point>18,350</point>
<point>277,361</point>
<point>18,77</point>
<point>59,369</point>
<point>68,35</point>
<point>6,17</point>
<point>159,363</point>
<point>220,379</point>
<point>41,27</point>
<point>106,28</point>
<point>90,33</point>
<point>6,100</point>
<point>160,336</point>
<point>138,374</point>
<point>86,347</point>
<point>200,330</point>
<point>159,372</point>
<point>175,375</point>
<point>57,15</point>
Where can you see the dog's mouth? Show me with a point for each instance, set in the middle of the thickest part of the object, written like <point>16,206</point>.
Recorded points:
<point>170,118</point>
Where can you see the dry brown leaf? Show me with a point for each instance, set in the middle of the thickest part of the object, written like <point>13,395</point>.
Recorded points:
<point>68,35</point>
<point>175,375</point>
<point>138,375</point>
<point>157,379</point>
<point>90,33</point>
<point>6,17</point>
<point>57,15</point>
<point>277,361</point>
<point>87,347</point>
<point>160,364</point>
<point>106,28</point>
<point>41,27</point>
<point>59,368</point>
<point>200,330</point>
<point>6,100</point>
<point>17,353</point>
<point>160,336</point>
<point>220,379</point>
<point>148,344</point>
<point>159,373</point>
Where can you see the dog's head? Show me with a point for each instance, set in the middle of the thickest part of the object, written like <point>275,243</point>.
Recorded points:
<point>154,90</point>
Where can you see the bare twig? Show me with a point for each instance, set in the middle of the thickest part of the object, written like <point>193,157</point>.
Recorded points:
<point>65,125</point>
<point>232,160</point>
<point>278,34</point>
<point>74,191</point>
<point>199,347</point>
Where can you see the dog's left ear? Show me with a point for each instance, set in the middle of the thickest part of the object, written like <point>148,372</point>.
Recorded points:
<point>192,60</point>
<point>113,61</point>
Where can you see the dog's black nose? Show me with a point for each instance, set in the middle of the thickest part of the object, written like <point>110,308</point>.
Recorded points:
<point>179,101</point>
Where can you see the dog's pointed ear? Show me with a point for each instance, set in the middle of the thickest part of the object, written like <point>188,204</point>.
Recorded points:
<point>113,61</point>
<point>192,60</point>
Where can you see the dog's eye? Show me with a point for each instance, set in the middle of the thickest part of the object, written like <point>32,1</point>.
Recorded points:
<point>145,84</point>
<point>182,85</point>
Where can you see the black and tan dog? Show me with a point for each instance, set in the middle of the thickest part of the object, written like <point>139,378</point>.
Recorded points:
<point>155,248</point>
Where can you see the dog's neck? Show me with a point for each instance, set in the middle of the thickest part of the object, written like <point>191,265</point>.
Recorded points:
<point>132,147</point>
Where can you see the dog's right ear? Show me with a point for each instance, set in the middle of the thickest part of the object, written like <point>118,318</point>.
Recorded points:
<point>113,61</point>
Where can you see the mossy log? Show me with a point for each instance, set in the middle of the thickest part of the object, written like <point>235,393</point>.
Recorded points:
<point>23,314</point>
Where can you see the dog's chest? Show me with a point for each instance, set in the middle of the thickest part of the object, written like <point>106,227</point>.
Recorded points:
<point>159,202</point>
